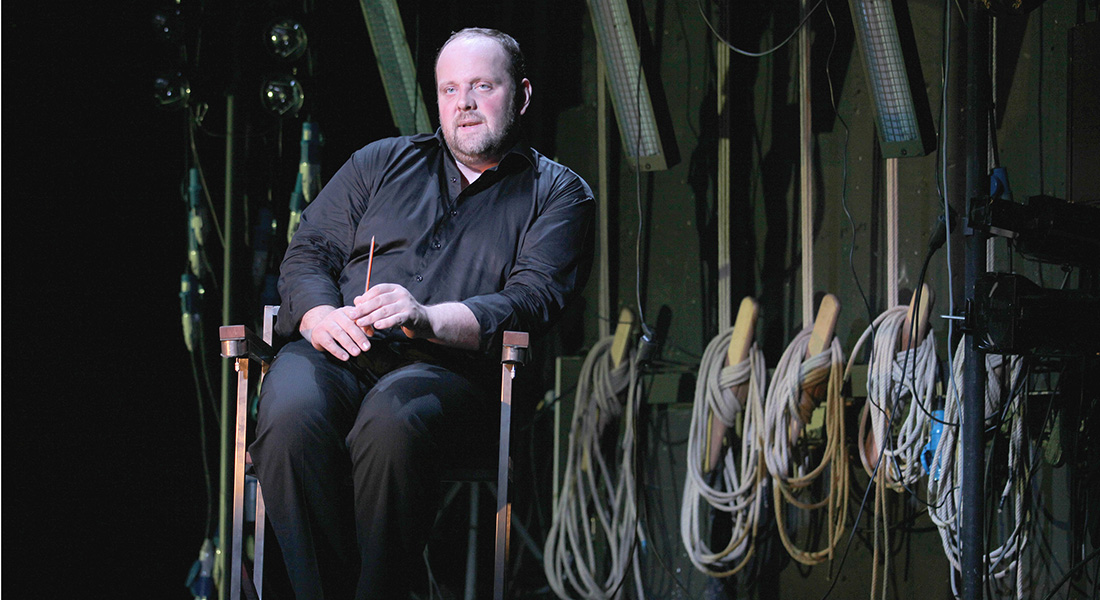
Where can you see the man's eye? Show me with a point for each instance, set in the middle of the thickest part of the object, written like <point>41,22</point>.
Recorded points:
<point>483,86</point>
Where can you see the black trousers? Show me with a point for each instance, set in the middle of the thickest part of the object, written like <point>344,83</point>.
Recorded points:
<point>349,463</point>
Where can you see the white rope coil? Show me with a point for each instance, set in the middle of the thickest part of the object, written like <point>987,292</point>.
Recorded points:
<point>891,450</point>
<point>944,481</point>
<point>894,374</point>
<point>785,416</point>
<point>738,484</point>
<point>595,520</point>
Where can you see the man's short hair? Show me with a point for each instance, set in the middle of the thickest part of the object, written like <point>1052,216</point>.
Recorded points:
<point>517,64</point>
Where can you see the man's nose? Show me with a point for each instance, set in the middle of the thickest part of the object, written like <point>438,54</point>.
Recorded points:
<point>466,100</point>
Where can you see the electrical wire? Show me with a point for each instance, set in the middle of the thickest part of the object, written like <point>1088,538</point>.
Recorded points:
<point>887,386</point>
<point>741,477</point>
<point>944,481</point>
<point>596,513</point>
<point>1069,574</point>
<point>786,40</point>
<point>192,123</point>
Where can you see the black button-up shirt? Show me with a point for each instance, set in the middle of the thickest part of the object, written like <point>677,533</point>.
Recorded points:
<point>513,246</point>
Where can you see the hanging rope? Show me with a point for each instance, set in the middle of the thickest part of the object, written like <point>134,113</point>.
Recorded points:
<point>890,451</point>
<point>737,486</point>
<point>944,481</point>
<point>595,520</point>
<point>894,374</point>
<point>789,406</point>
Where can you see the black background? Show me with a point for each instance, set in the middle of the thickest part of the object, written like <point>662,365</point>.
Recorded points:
<point>105,483</point>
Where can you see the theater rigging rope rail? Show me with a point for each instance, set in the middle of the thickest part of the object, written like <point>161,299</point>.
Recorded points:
<point>946,469</point>
<point>594,484</point>
<point>895,370</point>
<point>738,484</point>
<point>787,411</point>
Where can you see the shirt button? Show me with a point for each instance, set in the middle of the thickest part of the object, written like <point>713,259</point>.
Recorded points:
<point>454,179</point>
<point>436,245</point>
<point>454,213</point>
<point>420,278</point>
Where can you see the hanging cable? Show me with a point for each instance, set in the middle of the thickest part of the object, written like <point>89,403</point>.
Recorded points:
<point>895,370</point>
<point>738,485</point>
<point>595,521</point>
<point>802,23</point>
<point>946,467</point>
<point>791,400</point>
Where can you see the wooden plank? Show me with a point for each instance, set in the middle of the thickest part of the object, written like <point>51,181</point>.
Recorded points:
<point>744,329</point>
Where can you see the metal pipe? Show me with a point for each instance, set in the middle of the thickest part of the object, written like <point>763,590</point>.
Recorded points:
<point>892,232</point>
<point>227,433</point>
<point>806,173</point>
<point>604,320</point>
<point>722,193</point>
<point>971,517</point>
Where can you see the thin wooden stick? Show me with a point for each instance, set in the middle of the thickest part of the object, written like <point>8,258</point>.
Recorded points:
<point>370,263</point>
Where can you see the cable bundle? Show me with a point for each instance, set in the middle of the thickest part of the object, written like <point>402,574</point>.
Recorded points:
<point>893,374</point>
<point>597,504</point>
<point>893,458</point>
<point>741,478</point>
<point>786,413</point>
<point>946,468</point>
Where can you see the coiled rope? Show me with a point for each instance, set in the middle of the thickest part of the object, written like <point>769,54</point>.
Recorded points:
<point>596,513</point>
<point>787,411</point>
<point>737,486</point>
<point>890,451</point>
<point>894,373</point>
<point>944,481</point>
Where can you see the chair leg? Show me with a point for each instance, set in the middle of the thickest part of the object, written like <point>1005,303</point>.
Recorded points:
<point>504,467</point>
<point>258,537</point>
<point>235,545</point>
<point>471,543</point>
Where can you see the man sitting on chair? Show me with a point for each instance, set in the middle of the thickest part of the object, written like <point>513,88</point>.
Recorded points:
<point>472,233</point>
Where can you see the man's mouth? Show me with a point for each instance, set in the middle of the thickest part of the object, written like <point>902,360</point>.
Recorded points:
<point>469,121</point>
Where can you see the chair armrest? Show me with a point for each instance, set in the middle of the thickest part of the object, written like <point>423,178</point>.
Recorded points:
<point>514,351</point>
<point>239,341</point>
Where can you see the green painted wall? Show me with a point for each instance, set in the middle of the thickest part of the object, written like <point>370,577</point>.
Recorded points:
<point>678,221</point>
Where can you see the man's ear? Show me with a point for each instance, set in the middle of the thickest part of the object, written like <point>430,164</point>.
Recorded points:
<point>523,95</point>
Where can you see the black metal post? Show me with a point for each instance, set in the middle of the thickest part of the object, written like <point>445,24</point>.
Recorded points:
<point>971,516</point>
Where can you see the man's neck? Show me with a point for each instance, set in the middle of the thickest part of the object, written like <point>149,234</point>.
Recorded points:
<point>470,174</point>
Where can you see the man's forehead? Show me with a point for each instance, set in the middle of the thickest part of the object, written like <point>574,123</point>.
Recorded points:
<point>469,52</point>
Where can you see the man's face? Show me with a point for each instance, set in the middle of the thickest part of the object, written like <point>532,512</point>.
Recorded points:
<point>476,100</point>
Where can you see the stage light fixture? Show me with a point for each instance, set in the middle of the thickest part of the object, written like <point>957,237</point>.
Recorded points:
<point>171,91</point>
<point>286,39</point>
<point>630,95</point>
<point>900,120</point>
<point>282,95</point>
<point>167,25</point>
<point>395,63</point>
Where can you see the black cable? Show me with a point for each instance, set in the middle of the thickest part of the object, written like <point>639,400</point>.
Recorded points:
<point>786,40</point>
<point>205,459</point>
<point>859,515</point>
<point>1071,572</point>
<point>989,521</point>
<point>653,547</point>
<point>844,173</point>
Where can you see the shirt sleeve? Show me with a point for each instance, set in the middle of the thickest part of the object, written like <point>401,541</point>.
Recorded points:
<point>310,271</point>
<point>552,266</point>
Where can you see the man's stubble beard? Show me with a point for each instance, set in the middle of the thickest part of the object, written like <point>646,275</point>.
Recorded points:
<point>487,147</point>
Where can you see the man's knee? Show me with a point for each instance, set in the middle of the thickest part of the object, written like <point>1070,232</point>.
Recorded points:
<point>391,431</point>
<point>304,401</point>
<point>406,413</point>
